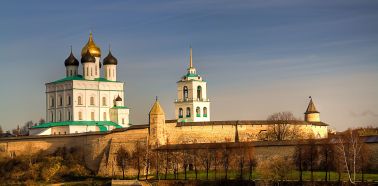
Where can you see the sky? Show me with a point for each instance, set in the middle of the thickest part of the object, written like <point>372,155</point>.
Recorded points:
<point>258,57</point>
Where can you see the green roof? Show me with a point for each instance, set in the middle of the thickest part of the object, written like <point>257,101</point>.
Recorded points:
<point>80,77</point>
<point>120,107</point>
<point>100,124</point>
<point>191,75</point>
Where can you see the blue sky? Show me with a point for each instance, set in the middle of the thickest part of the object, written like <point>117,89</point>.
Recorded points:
<point>258,57</point>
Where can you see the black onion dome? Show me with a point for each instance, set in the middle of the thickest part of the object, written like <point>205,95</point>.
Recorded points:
<point>110,60</point>
<point>88,58</point>
<point>118,98</point>
<point>71,61</point>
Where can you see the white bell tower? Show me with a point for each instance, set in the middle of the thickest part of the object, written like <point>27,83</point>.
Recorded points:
<point>192,104</point>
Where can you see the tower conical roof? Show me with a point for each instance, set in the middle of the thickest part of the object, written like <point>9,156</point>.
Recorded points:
<point>311,107</point>
<point>157,109</point>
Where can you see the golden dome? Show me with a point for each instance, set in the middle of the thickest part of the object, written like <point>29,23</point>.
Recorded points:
<point>92,47</point>
<point>157,109</point>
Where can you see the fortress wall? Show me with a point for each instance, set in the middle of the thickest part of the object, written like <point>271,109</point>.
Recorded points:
<point>93,145</point>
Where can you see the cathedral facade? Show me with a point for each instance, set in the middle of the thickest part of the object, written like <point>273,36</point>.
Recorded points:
<point>85,102</point>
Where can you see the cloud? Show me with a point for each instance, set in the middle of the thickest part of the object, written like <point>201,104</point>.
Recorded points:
<point>366,113</point>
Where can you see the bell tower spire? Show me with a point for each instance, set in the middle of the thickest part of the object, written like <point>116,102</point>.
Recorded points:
<point>191,69</point>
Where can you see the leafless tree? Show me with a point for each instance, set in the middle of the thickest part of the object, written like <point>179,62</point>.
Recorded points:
<point>139,156</point>
<point>251,161</point>
<point>281,129</point>
<point>205,157</point>
<point>326,152</point>
<point>311,156</point>
<point>349,146</point>
<point>226,153</point>
<point>299,159</point>
<point>123,156</point>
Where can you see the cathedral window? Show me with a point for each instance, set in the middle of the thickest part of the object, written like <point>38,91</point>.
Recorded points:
<point>52,117</point>
<point>181,113</point>
<point>60,116</point>
<point>123,120</point>
<point>80,116</point>
<point>60,101</point>
<point>92,101</point>
<point>103,101</point>
<point>104,116</point>
<point>79,101</point>
<point>199,92</point>
<point>185,92</point>
<point>69,116</point>
<point>87,71</point>
<point>69,100</point>
<point>198,112</point>
<point>187,112</point>
<point>92,116</point>
<point>52,101</point>
<point>204,112</point>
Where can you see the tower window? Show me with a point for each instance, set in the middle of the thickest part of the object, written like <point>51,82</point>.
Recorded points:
<point>87,71</point>
<point>103,101</point>
<point>80,116</point>
<point>69,100</point>
<point>69,116</point>
<point>52,116</point>
<point>199,92</point>
<point>204,112</point>
<point>79,101</point>
<point>187,112</point>
<point>185,92</point>
<point>198,112</point>
<point>92,101</point>
<point>92,116</point>
<point>181,113</point>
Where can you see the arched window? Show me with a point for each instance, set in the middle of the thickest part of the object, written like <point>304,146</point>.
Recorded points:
<point>198,112</point>
<point>181,113</point>
<point>185,92</point>
<point>60,116</point>
<point>123,120</point>
<point>92,101</point>
<point>199,92</point>
<point>69,115</point>
<point>80,116</point>
<point>79,101</point>
<point>187,112</point>
<point>104,101</point>
<point>87,71</point>
<point>204,112</point>
<point>104,116</point>
<point>52,116</point>
<point>69,100</point>
<point>92,116</point>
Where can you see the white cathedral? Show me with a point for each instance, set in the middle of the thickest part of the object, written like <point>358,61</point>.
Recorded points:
<point>91,103</point>
<point>87,102</point>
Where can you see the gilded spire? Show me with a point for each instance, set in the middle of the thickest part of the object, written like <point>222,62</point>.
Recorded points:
<point>191,58</point>
<point>92,47</point>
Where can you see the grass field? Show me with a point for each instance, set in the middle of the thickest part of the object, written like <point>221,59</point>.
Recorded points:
<point>293,175</point>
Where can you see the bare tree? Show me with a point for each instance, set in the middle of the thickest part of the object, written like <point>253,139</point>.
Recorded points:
<point>326,151</point>
<point>1,130</point>
<point>139,156</point>
<point>311,156</point>
<point>281,129</point>
<point>123,156</point>
<point>275,168</point>
<point>251,161</point>
<point>299,159</point>
<point>205,159</point>
<point>226,153</point>
<point>350,146</point>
